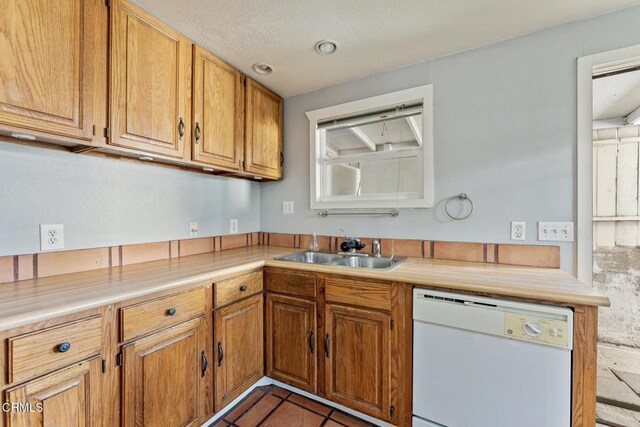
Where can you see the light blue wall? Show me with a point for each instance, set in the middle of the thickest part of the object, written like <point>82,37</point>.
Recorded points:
<point>103,201</point>
<point>505,132</point>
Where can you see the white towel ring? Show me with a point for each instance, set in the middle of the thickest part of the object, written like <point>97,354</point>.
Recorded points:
<point>463,197</point>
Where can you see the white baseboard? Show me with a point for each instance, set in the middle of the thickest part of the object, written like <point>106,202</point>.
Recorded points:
<point>269,381</point>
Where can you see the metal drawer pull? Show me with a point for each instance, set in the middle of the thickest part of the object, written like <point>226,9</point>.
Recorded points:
<point>64,347</point>
<point>311,343</point>
<point>197,132</point>
<point>220,354</point>
<point>181,128</point>
<point>205,363</point>
<point>243,288</point>
<point>326,345</point>
<point>171,311</point>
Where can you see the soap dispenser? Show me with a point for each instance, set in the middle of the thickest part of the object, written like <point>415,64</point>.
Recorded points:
<point>313,246</point>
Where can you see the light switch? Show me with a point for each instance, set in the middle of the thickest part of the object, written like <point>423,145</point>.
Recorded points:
<point>287,207</point>
<point>555,231</point>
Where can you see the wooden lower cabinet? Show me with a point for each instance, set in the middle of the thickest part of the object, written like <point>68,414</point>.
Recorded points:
<point>238,345</point>
<point>292,341</point>
<point>67,397</point>
<point>164,377</point>
<point>357,347</point>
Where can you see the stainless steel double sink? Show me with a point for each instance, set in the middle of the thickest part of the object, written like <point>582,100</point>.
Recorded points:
<point>345,260</point>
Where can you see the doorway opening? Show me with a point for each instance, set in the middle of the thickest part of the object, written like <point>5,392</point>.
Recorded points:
<point>613,262</point>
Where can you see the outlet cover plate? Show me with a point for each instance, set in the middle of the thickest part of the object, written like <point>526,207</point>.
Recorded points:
<point>193,229</point>
<point>518,230</point>
<point>555,231</point>
<point>51,237</point>
<point>287,207</point>
<point>233,226</point>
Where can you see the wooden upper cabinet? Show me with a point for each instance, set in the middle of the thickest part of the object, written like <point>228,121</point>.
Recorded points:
<point>263,131</point>
<point>358,359</point>
<point>150,83</point>
<point>52,68</point>
<point>238,341</point>
<point>292,341</point>
<point>68,397</point>
<point>164,377</point>
<point>218,112</point>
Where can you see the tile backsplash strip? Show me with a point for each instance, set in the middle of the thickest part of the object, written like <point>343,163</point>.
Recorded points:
<point>24,267</point>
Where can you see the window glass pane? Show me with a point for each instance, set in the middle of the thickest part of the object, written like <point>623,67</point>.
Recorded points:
<point>375,177</point>
<point>385,135</point>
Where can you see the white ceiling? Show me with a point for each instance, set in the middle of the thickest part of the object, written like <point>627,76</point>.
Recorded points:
<point>616,96</point>
<point>374,35</point>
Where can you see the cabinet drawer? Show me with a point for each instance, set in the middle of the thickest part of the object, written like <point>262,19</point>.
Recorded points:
<point>150,316</point>
<point>236,288</point>
<point>37,353</point>
<point>292,283</point>
<point>365,294</point>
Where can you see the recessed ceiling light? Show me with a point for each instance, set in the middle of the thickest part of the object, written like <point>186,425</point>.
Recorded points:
<point>326,47</point>
<point>262,68</point>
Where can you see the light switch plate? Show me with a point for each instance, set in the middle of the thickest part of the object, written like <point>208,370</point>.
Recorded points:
<point>193,229</point>
<point>233,226</point>
<point>518,230</point>
<point>555,231</point>
<point>287,207</point>
<point>51,237</point>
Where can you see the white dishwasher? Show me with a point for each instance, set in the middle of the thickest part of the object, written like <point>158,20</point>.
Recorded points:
<point>484,362</point>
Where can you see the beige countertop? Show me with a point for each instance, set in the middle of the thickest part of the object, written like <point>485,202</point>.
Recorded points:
<point>31,301</point>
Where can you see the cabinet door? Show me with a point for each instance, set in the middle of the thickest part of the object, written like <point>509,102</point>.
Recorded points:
<point>263,131</point>
<point>239,342</point>
<point>358,359</point>
<point>52,72</point>
<point>68,397</point>
<point>165,376</point>
<point>291,341</point>
<point>218,112</point>
<point>150,83</point>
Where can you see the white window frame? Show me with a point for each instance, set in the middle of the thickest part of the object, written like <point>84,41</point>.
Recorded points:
<point>425,200</point>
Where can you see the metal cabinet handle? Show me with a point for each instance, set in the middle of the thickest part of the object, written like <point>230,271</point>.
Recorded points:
<point>181,128</point>
<point>281,159</point>
<point>171,311</point>
<point>64,347</point>
<point>205,363</point>
<point>311,342</point>
<point>243,288</point>
<point>326,345</point>
<point>220,354</point>
<point>197,132</point>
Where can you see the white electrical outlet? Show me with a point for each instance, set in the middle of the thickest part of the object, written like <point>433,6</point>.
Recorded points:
<point>51,236</point>
<point>555,231</point>
<point>518,230</point>
<point>233,226</point>
<point>193,229</point>
<point>287,207</point>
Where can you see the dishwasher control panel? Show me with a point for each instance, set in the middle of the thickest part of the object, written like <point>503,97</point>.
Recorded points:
<point>537,329</point>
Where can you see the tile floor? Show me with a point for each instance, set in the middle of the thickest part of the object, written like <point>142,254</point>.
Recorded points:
<point>274,406</point>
